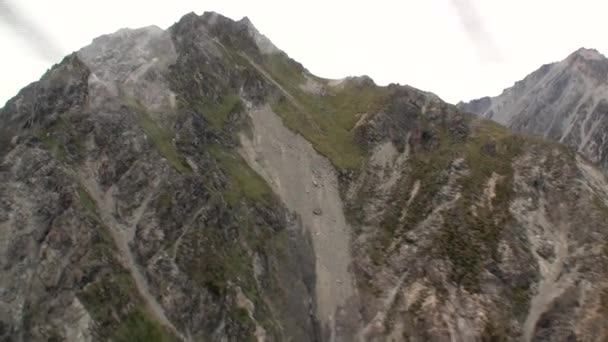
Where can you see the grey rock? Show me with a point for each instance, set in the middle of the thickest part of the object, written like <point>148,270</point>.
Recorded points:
<point>546,251</point>
<point>564,101</point>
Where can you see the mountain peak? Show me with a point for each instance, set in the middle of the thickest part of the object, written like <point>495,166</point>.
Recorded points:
<point>588,54</point>
<point>246,21</point>
<point>226,26</point>
<point>263,43</point>
<point>564,101</point>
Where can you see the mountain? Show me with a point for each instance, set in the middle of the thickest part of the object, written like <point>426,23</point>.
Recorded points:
<point>565,101</point>
<point>197,184</point>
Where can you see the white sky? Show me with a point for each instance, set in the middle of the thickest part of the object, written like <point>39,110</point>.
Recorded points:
<point>423,43</point>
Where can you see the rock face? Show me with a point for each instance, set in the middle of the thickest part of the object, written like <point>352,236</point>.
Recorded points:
<point>196,184</point>
<point>565,101</point>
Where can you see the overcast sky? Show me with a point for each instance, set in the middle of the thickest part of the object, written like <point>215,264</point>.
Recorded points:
<point>458,49</point>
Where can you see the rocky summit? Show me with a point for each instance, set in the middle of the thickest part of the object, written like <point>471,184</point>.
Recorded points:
<point>565,101</point>
<point>197,184</point>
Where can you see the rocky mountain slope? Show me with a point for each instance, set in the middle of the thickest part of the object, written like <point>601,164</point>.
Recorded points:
<point>565,101</point>
<point>197,184</point>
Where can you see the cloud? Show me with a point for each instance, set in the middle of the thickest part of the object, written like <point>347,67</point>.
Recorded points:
<point>475,28</point>
<point>29,32</point>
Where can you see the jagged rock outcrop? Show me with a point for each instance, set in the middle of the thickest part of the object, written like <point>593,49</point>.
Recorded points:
<point>197,184</point>
<point>565,101</point>
<point>122,199</point>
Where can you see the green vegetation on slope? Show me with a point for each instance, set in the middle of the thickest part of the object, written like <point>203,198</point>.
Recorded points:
<point>602,208</point>
<point>243,180</point>
<point>472,228</point>
<point>50,141</point>
<point>113,302</point>
<point>604,301</point>
<point>218,257</point>
<point>111,298</point>
<point>216,262</point>
<point>428,168</point>
<point>86,200</point>
<point>162,141</point>
<point>62,139</point>
<point>138,327</point>
<point>327,119</point>
<point>218,113</point>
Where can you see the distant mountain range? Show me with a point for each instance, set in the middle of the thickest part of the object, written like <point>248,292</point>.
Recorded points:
<point>565,101</point>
